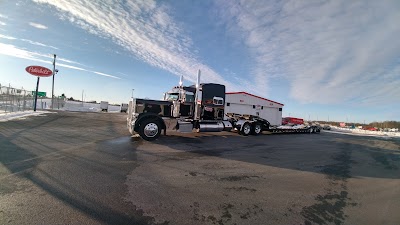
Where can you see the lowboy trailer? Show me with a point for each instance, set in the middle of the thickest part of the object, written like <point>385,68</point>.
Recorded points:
<point>197,108</point>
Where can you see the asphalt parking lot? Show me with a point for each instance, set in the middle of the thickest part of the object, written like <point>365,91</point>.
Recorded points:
<point>85,168</point>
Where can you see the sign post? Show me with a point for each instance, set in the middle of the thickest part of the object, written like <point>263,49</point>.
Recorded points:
<point>38,71</point>
<point>36,94</point>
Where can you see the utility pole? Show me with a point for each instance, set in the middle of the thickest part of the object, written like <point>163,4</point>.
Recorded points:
<point>52,89</point>
<point>82,96</point>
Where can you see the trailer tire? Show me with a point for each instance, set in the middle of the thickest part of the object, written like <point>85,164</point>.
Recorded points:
<point>246,129</point>
<point>150,129</point>
<point>256,129</point>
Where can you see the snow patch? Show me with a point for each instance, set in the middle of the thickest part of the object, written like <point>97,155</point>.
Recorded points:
<point>21,115</point>
<point>360,132</point>
<point>87,107</point>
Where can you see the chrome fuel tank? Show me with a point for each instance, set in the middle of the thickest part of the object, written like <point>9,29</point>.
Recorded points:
<point>211,127</point>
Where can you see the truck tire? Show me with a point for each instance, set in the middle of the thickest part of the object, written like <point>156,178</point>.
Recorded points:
<point>246,129</point>
<point>256,129</point>
<point>150,129</point>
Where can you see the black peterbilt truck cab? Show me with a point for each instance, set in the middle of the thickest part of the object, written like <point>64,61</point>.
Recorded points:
<point>197,108</point>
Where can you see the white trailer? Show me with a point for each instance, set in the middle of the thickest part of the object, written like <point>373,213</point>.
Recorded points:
<point>124,107</point>
<point>248,104</point>
<point>104,106</point>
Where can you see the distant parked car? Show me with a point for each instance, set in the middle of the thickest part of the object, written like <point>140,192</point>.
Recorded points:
<point>326,127</point>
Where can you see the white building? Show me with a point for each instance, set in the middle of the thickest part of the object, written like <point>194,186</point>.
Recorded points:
<point>248,104</point>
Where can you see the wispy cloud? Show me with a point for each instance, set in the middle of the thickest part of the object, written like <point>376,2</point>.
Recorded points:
<point>11,50</point>
<point>3,17</point>
<point>145,28</point>
<point>329,51</point>
<point>38,25</point>
<point>28,41</point>
<point>38,43</point>
<point>69,61</point>
<point>7,37</point>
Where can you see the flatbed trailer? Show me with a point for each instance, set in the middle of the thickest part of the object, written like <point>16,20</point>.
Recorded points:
<point>311,129</point>
<point>258,124</point>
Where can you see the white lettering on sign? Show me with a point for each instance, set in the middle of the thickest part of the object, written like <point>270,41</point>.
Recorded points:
<point>39,71</point>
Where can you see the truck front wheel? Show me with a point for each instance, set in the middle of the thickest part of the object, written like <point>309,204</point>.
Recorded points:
<point>150,130</point>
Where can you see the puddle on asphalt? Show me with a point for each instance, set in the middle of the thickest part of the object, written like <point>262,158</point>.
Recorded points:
<point>120,140</point>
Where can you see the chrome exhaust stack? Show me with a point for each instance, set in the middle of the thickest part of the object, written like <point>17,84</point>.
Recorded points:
<point>197,104</point>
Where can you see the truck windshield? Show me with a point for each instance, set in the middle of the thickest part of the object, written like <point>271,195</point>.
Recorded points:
<point>189,98</point>
<point>171,96</point>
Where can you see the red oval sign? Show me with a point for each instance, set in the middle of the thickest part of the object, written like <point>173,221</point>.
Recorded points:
<point>39,71</point>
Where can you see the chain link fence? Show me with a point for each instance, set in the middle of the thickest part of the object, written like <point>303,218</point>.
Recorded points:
<point>15,100</point>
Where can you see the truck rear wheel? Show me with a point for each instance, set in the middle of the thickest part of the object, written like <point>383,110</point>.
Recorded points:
<point>150,129</point>
<point>246,129</point>
<point>256,129</point>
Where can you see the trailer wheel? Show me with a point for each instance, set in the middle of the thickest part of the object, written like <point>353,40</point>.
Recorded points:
<point>256,129</point>
<point>150,129</point>
<point>246,129</point>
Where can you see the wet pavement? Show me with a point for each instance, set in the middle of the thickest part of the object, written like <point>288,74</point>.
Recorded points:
<point>84,168</point>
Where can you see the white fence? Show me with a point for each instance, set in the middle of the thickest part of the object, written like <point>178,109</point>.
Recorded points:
<point>15,100</point>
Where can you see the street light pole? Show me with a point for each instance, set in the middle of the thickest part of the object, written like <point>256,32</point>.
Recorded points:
<point>52,89</point>
<point>132,92</point>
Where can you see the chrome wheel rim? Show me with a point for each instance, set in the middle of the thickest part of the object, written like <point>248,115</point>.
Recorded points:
<point>246,129</point>
<point>151,130</point>
<point>257,129</point>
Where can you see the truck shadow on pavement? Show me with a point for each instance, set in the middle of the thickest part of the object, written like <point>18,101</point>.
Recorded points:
<point>304,152</point>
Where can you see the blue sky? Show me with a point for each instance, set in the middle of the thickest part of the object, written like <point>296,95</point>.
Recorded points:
<point>336,59</point>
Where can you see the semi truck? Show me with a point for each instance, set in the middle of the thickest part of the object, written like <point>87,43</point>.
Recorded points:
<point>198,108</point>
